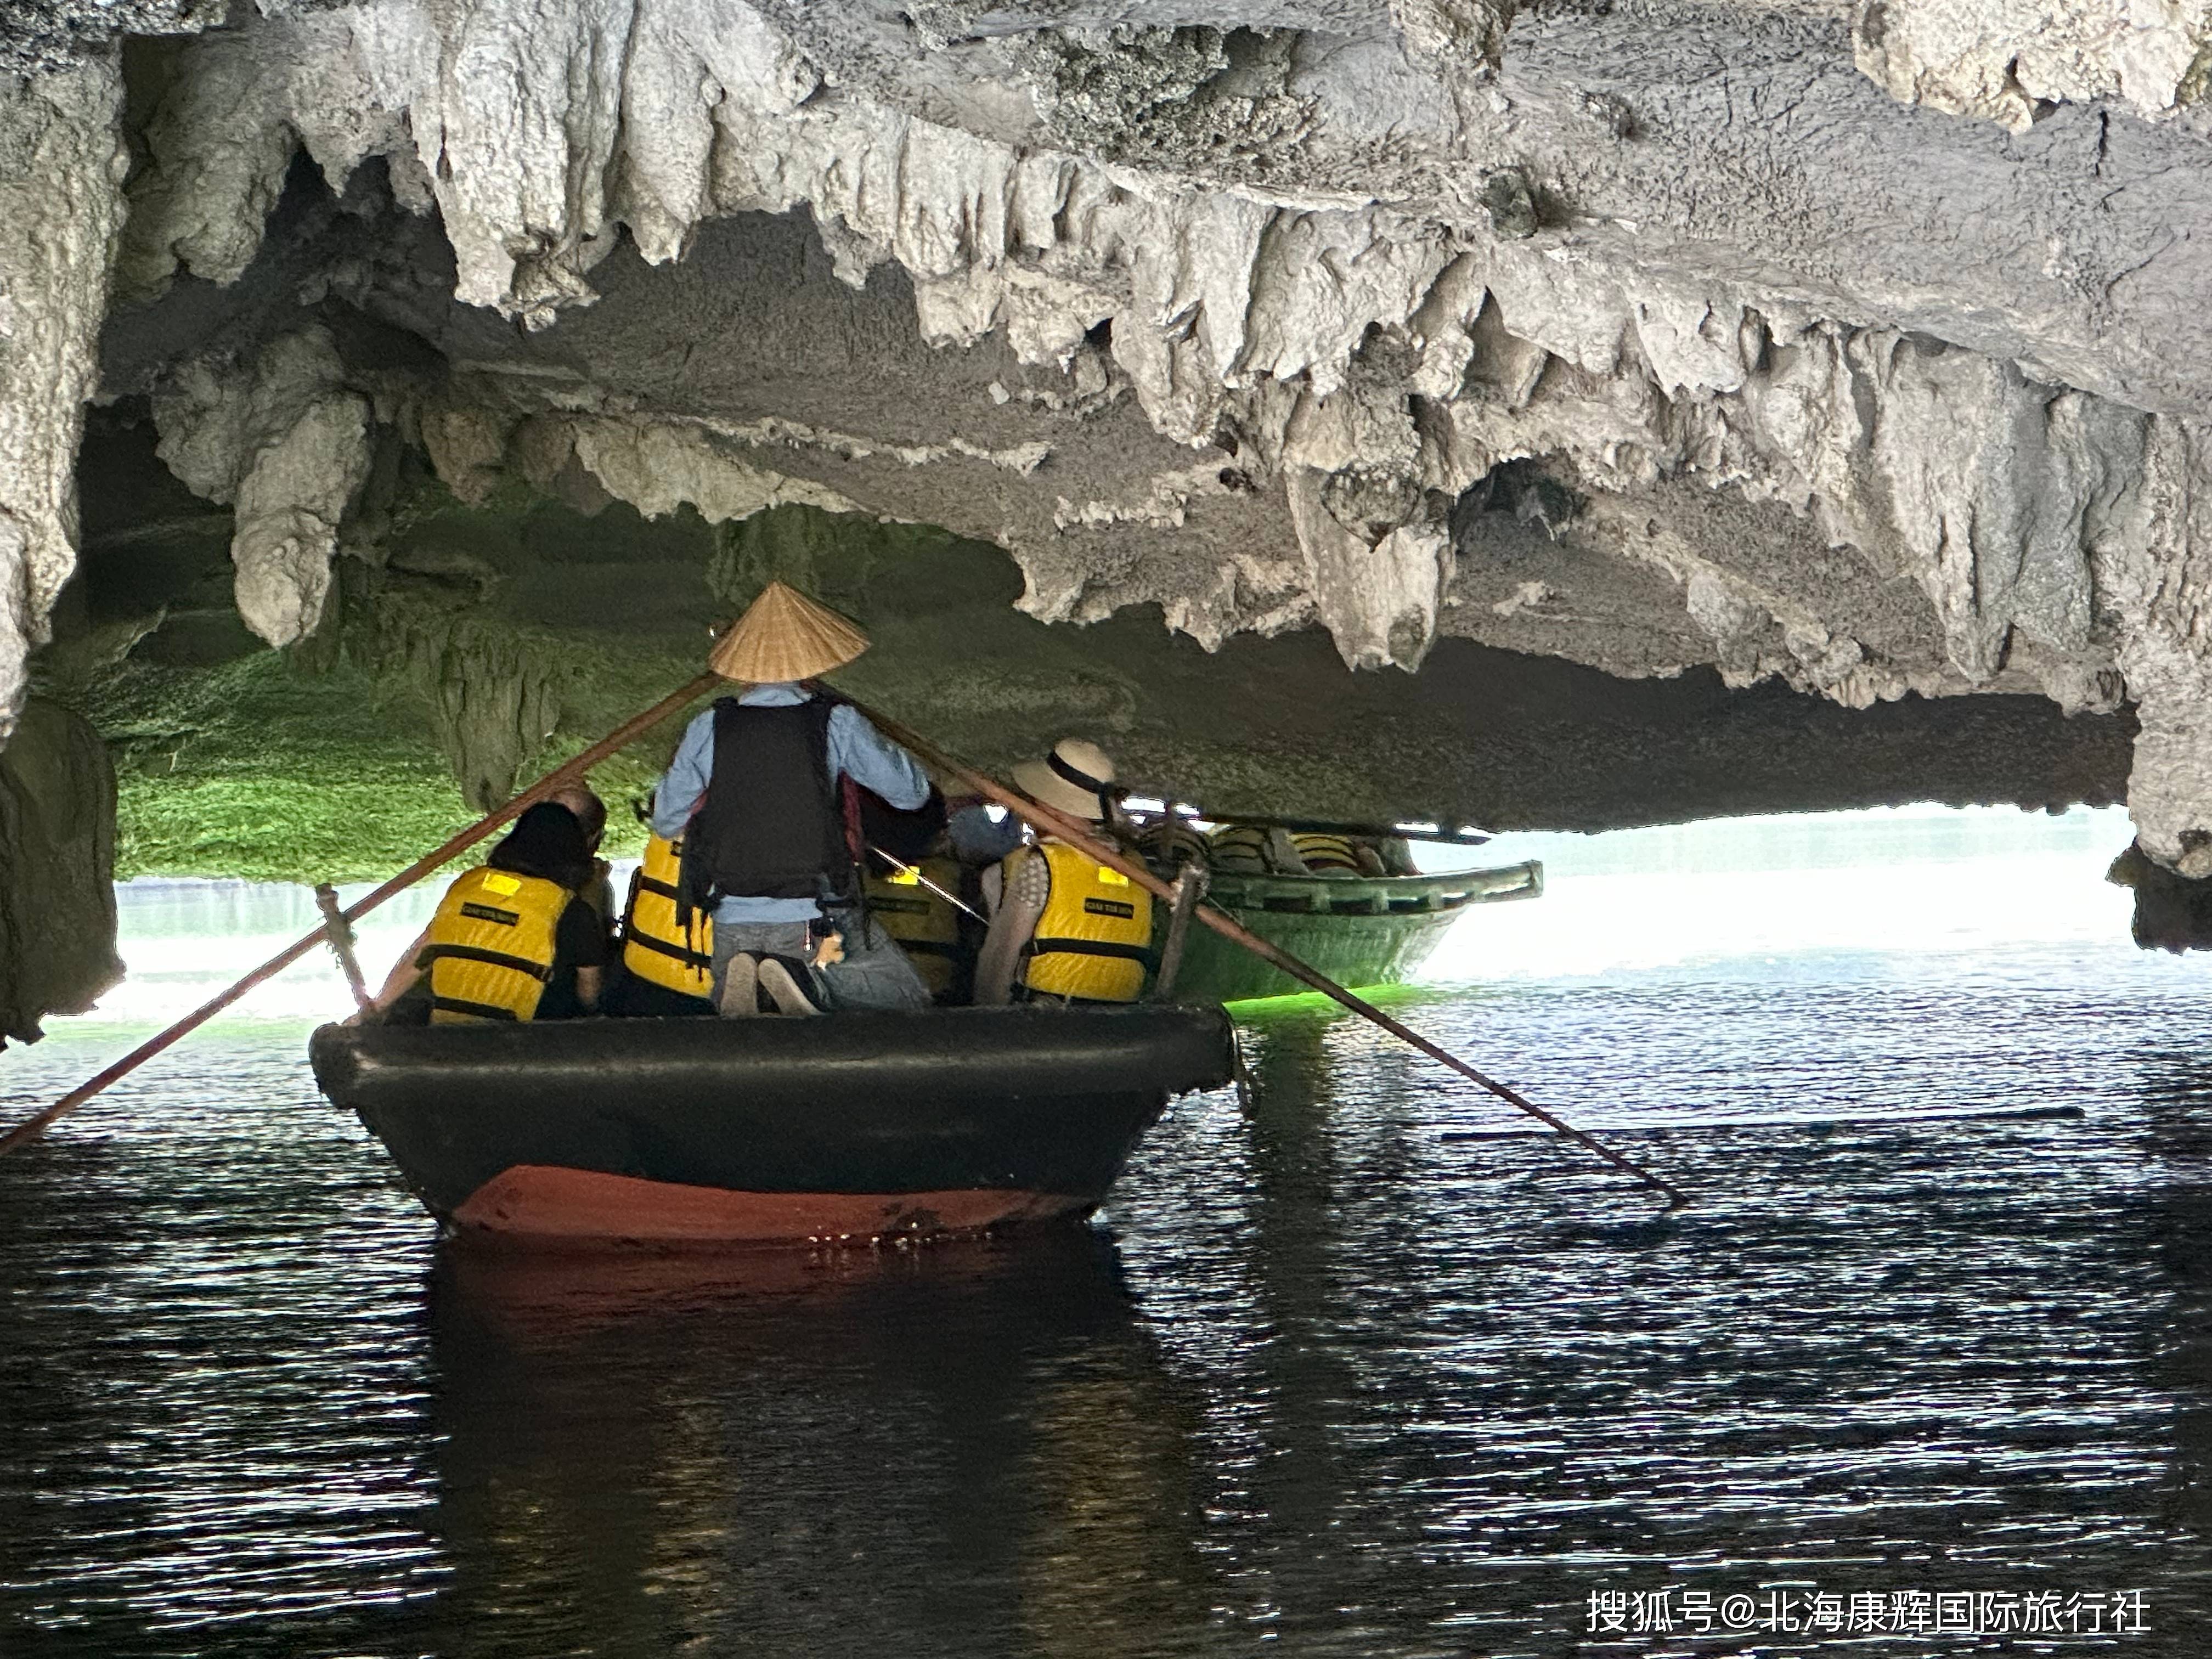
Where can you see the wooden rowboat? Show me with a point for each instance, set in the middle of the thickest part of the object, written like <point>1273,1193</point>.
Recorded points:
<point>850,1127</point>
<point>1359,930</point>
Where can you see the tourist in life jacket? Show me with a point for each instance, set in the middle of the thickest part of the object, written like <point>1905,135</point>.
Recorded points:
<point>591,815</point>
<point>664,962</point>
<point>1065,928</point>
<point>511,939</point>
<point>913,888</point>
<point>754,795</point>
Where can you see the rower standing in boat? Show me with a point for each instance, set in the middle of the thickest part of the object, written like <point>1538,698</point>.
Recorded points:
<point>1064,928</point>
<point>753,794</point>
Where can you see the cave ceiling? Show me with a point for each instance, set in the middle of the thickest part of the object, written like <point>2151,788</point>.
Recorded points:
<point>1560,415</point>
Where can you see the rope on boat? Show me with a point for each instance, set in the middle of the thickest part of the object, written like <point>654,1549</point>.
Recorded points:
<point>341,941</point>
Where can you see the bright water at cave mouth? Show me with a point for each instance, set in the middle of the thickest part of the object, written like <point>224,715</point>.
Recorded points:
<point>1352,1365</point>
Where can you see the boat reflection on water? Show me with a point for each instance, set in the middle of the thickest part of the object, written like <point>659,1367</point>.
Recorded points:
<point>961,1447</point>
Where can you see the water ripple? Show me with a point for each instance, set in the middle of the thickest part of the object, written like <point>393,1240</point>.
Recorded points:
<point>1352,1365</point>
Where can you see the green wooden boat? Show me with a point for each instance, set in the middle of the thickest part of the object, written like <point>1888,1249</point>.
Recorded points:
<point>1359,930</point>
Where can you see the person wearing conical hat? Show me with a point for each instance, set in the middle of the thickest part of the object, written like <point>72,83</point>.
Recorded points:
<point>1064,928</point>
<point>754,794</point>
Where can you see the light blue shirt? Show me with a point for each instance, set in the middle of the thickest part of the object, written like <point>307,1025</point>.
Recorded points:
<point>857,751</point>
<point>979,839</point>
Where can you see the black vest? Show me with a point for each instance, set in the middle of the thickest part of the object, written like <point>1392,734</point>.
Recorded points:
<point>770,826</point>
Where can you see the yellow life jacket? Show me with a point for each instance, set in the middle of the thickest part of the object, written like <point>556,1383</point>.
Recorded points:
<point>1094,939</point>
<point>654,948</point>
<point>1170,844</point>
<point>1240,849</point>
<point>1328,855</point>
<point>490,954</point>
<point>926,928</point>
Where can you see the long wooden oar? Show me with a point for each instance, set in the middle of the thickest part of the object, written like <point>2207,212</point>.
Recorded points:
<point>1442,835</point>
<point>568,771</point>
<point>1079,836</point>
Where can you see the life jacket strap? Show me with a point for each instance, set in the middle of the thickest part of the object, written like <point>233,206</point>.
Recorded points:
<point>665,888</point>
<point>542,972</point>
<point>473,1010</point>
<point>698,959</point>
<point>1091,947</point>
<point>899,906</point>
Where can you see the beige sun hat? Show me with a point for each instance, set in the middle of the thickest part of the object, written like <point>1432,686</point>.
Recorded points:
<point>1074,779</point>
<point>785,635</point>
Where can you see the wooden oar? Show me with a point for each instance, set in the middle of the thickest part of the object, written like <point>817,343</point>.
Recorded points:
<point>1079,836</point>
<point>568,771</point>
<point>1446,834</point>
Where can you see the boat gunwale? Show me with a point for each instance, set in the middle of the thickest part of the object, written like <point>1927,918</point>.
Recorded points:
<point>859,1041</point>
<point>1379,897</point>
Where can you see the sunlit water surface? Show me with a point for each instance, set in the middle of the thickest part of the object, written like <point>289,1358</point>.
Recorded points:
<point>1351,1367</point>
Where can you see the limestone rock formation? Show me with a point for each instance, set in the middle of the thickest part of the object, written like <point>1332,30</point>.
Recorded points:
<point>285,441</point>
<point>45,35</point>
<point>61,209</point>
<point>1865,353</point>
<point>57,865</point>
<point>2006,60</point>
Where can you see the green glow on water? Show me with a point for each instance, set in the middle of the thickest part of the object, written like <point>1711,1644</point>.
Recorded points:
<point>1307,1002</point>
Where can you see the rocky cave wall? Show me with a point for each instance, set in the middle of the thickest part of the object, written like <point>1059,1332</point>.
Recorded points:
<point>57,895</point>
<point>1720,406</point>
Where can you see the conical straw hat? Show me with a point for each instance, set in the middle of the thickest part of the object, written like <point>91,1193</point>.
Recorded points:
<point>785,635</point>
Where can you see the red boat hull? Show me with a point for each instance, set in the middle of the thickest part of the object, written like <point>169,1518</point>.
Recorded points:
<point>540,1205</point>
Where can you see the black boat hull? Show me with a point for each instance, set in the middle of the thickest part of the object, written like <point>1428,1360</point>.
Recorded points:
<point>704,1132</point>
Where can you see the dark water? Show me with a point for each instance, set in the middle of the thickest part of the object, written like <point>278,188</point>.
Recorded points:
<point>1342,1369</point>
